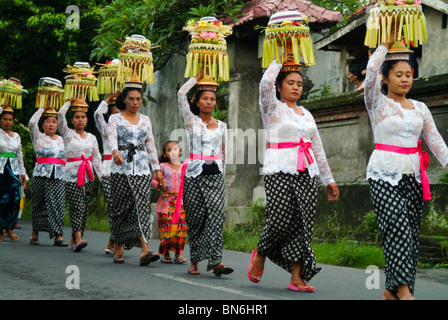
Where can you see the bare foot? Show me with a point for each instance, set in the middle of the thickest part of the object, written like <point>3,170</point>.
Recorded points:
<point>12,235</point>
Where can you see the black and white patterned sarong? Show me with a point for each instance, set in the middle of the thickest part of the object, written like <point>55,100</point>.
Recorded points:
<point>203,200</point>
<point>107,191</point>
<point>78,201</point>
<point>48,207</point>
<point>399,211</point>
<point>290,215</point>
<point>130,212</point>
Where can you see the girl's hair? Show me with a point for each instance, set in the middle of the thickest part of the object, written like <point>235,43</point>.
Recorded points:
<point>119,102</point>
<point>6,112</point>
<point>163,158</point>
<point>278,82</point>
<point>387,66</point>
<point>193,105</point>
<point>357,69</point>
<point>107,115</point>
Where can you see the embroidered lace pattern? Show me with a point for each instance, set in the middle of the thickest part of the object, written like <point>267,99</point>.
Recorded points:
<point>282,124</point>
<point>123,133</point>
<point>202,140</point>
<point>394,125</point>
<point>76,146</point>
<point>45,147</point>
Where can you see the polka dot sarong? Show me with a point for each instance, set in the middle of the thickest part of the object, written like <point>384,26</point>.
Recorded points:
<point>290,215</point>
<point>203,200</point>
<point>48,208</point>
<point>130,213</point>
<point>78,201</point>
<point>398,211</point>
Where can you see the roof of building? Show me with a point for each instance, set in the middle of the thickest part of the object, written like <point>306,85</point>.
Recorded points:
<point>257,9</point>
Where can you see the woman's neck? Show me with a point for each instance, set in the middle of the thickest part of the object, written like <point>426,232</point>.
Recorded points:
<point>396,97</point>
<point>80,131</point>
<point>205,116</point>
<point>291,104</point>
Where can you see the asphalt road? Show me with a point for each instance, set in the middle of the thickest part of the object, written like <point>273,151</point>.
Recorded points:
<point>45,272</point>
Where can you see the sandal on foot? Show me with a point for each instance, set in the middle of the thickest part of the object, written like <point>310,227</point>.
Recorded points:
<point>251,263</point>
<point>194,270</point>
<point>222,269</point>
<point>119,258</point>
<point>148,258</point>
<point>79,246</point>
<point>166,260</point>
<point>180,260</point>
<point>34,241</point>
<point>60,243</point>
<point>300,286</point>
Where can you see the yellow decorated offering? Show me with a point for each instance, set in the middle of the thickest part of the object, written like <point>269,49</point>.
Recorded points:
<point>208,48</point>
<point>50,94</point>
<point>81,83</point>
<point>288,33</point>
<point>11,91</point>
<point>135,60</point>
<point>394,20</point>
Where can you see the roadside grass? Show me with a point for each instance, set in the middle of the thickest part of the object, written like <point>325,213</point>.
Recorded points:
<point>342,252</point>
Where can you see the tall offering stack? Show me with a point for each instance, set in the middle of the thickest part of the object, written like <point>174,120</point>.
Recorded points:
<point>50,95</point>
<point>135,60</point>
<point>107,77</point>
<point>288,33</point>
<point>80,85</point>
<point>394,20</point>
<point>11,91</point>
<point>208,48</point>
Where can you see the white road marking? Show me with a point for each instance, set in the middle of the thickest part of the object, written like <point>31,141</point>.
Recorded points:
<point>208,286</point>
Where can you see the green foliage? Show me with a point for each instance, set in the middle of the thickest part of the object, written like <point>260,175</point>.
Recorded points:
<point>349,254</point>
<point>325,91</point>
<point>444,178</point>
<point>160,21</point>
<point>369,223</point>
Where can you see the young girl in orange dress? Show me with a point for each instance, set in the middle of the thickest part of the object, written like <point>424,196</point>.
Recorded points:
<point>172,235</point>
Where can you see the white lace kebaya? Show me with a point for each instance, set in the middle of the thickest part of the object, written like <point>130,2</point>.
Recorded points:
<point>124,134</point>
<point>45,147</point>
<point>394,125</point>
<point>76,147</point>
<point>202,140</point>
<point>282,124</point>
<point>14,145</point>
<point>101,124</point>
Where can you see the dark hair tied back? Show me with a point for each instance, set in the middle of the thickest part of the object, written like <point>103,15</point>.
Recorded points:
<point>119,102</point>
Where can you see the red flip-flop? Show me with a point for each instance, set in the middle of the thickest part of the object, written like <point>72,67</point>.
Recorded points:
<point>251,263</point>
<point>305,287</point>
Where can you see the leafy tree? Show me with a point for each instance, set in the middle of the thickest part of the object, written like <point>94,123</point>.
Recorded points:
<point>160,21</point>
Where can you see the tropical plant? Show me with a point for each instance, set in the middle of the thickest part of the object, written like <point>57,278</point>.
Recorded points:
<point>160,21</point>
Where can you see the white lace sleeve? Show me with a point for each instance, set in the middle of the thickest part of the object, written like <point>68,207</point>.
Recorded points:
<point>62,121</point>
<point>101,124</point>
<point>372,89</point>
<point>96,158</point>
<point>112,132</point>
<point>433,138</point>
<point>151,148</point>
<point>184,107</point>
<point>268,99</point>
<point>224,148</point>
<point>19,154</point>
<point>34,127</point>
<point>319,154</point>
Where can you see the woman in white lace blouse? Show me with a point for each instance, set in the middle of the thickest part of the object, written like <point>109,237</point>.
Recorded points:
<point>396,169</point>
<point>12,174</point>
<point>134,156</point>
<point>106,108</point>
<point>48,208</point>
<point>294,158</point>
<point>203,187</point>
<point>82,152</point>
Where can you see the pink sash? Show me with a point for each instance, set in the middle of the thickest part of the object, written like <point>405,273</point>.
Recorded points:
<point>176,213</point>
<point>302,152</point>
<point>424,161</point>
<point>83,167</point>
<point>107,157</point>
<point>50,160</point>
